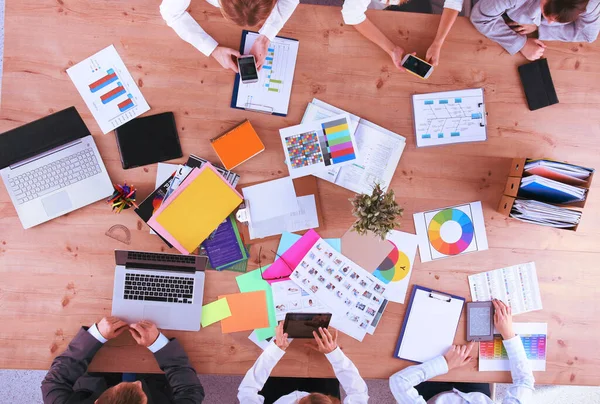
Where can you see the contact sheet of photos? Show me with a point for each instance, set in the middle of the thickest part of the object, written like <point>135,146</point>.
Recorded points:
<point>343,286</point>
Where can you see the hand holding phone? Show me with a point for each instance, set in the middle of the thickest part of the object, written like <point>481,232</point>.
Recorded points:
<point>416,66</point>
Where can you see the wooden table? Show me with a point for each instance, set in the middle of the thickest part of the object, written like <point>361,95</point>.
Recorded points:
<point>58,276</point>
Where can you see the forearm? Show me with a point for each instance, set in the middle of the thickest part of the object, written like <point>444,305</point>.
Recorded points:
<point>486,16</point>
<point>374,34</point>
<point>257,376</point>
<point>402,383</point>
<point>180,374</point>
<point>175,15</point>
<point>446,22</point>
<point>346,372</point>
<point>282,12</point>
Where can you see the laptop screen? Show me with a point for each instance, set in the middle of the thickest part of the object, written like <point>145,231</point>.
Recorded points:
<point>42,135</point>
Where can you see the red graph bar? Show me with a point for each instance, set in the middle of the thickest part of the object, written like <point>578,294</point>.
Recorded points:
<point>125,103</point>
<point>102,80</point>
<point>112,92</point>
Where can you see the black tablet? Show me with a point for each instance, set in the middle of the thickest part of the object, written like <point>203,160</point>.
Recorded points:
<point>480,321</point>
<point>302,325</point>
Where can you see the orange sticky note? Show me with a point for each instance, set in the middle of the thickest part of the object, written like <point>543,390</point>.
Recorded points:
<point>248,312</point>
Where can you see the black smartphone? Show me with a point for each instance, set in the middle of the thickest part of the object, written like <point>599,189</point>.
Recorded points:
<point>247,68</point>
<point>480,321</point>
<point>417,66</point>
<point>302,325</point>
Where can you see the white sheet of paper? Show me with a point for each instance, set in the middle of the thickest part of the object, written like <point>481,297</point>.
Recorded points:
<point>290,298</point>
<point>108,89</point>
<point>316,146</point>
<point>274,87</point>
<point>430,327</point>
<point>271,199</point>
<point>449,117</point>
<point>492,355</point>
<point>517,286</point>
<point>380,151</point>
<point>462,233</point>
<point>303,219</point>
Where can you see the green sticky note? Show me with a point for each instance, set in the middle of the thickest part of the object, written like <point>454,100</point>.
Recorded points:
<point>251,282</point>
<point>215,311</point>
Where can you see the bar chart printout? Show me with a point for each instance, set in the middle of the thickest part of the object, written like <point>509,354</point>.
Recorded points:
<point>274,87</point>
<point>108,89</point>
<point>534,336</point>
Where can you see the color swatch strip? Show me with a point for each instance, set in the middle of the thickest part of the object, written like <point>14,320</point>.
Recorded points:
<point>534,344</point>
<point>339,141</point>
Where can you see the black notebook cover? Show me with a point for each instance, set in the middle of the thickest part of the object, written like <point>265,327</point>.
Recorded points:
<point>148,140</point>
<point>538,85</point>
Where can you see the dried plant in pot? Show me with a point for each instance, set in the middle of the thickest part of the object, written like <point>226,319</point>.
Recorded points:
<point>377,212</point>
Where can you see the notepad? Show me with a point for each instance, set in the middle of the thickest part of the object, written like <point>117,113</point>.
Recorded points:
<point>238,145</point>
<point>429,325</point>
<point>195,209</point>
<point>248,311</point>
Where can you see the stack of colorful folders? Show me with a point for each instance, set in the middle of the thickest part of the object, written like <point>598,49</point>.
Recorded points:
<point>195,209</point>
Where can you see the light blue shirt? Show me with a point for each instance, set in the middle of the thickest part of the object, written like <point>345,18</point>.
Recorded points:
<point>159,344</point>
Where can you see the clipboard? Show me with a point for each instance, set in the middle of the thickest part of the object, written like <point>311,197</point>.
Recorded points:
<point>304,186</point>
<point>265,109</point>
<point>429,325</point>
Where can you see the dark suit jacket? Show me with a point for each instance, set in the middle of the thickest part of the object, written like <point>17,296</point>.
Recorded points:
<point>68,382</point>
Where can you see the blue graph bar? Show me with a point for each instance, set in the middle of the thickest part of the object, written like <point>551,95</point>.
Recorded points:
<point>440,135</point>
<point>443,101</point>
<point>271,50</point>
<point>126,107</point>
<point>269,58</point>
<point>266,85</point>
<point>457,100</point>
<point>114,96</point>
<point>455,134</point>
<point>267,67</point>
<point>426,136</point>
<point>428,102</point>
<point>476,115</point>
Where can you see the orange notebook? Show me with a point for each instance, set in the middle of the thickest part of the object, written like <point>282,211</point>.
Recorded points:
<point>238,145</point>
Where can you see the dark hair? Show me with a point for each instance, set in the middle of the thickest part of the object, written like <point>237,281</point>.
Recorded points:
<point>565,11</point>
<point>122,394</point>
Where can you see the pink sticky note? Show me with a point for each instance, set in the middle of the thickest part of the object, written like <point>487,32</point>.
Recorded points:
<point>285,265</point>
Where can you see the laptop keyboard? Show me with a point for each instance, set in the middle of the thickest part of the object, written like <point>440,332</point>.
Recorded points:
<point>54,176</point>
<point>158,288</point>
<point>158,257</point>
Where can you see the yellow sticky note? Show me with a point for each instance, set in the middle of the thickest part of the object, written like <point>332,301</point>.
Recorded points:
<point>215,311</point>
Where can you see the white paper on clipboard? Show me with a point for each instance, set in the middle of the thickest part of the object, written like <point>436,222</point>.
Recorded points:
<point>431,324</point>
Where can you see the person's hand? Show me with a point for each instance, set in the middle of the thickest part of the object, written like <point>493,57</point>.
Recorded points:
<point>458,355</point>
<point>433,53</point>
<point>397,54</point>
<point>523,29</point>
<point>259,50</point>
<point>533,49</point>
<point>503,319</point>
<point>144,333</point>
<point>224,56</point>
<point>326,343</point>
<point>111,327</point>
<point>281,338</point>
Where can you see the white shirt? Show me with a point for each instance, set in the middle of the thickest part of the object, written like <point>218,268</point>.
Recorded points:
<point>353,11</point>
<point>175,14</point>
<point>159,344</point>
<point>402,383</point>
<point>345,371</point>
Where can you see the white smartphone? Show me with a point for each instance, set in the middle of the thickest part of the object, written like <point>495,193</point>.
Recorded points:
<point>416,66</point>
<point>247,68</point>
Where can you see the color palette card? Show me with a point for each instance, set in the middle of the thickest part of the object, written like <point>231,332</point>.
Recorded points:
<point>195,209</point>
<point>493,356</point>
<point>315,146</point>
<point>451,231</point>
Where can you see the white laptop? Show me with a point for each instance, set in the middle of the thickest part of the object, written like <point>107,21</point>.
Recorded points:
<point>166,289</point>
<point>51,167</point>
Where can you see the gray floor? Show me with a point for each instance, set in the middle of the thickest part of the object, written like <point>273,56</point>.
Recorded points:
<point>23,386</point>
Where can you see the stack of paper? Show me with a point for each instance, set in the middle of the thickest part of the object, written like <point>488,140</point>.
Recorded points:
<point>551,191</point>
<point>225,247</point>
<point>542,213</point>
<point>196,208</point>
<point>252,282</point>
<point>248,312</point>
<point>274,208</point>
<point>563,172</point>
<point>379,151</point>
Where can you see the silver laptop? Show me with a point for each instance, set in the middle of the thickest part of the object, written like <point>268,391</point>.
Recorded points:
<point>166,289</point>
<point>51,167</point>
